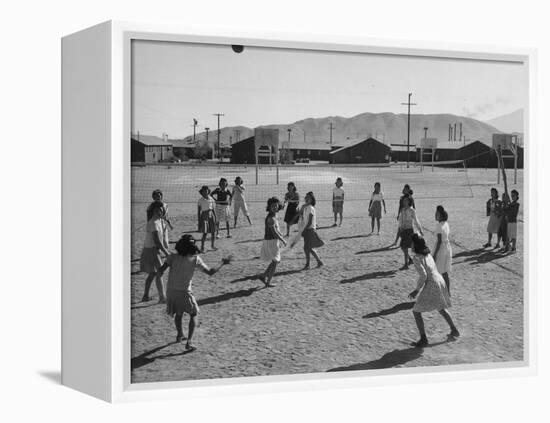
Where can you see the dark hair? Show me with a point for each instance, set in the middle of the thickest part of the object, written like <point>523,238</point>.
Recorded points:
<point>271,201</point>
<point>339,179</point>
<point>443,215</point>
<point>377,183</point>
<point>157,191</point>
<point>238,179</point>
<point>204,188</point>
<point>222,180</point>
<point>292,184</point>
<point>406,197</point>
<point>313,201</point>
<point>419,245</point>
<point>186,246</point>
<point>494,190</point>
<point>152,207</point>
<point>515,191</point>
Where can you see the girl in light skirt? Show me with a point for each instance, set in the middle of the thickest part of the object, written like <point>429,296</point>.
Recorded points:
<point>308,227</point>
<point>443,253</point>
<point>207,216</point>
<point>375,207</point>
<point>431,293</point>
<point>493,212</point>
<point>271,249</point>
<point>223,196</point>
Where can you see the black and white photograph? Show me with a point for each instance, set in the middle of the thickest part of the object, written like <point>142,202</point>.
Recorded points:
<point>308,211</point>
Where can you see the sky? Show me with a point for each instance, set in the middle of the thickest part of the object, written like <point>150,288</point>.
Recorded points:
<point>172,83</point>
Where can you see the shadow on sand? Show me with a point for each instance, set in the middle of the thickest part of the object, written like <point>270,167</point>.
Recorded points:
<point>258,275</point>
<point>227,296</point>
<point>377,250</point>
<point>395,309</point>
<point>340,238</point>
<point>249,241</point>
<point>369,276</point>
<point>480,255</point>
<point>392,359</point>
<point>143,359</point>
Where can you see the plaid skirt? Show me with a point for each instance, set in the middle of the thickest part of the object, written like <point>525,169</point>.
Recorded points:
<point>223,212</point>
<point>179,302</point>
<point>207,222</point>
<point>312,240</point>
<point>150,260</point>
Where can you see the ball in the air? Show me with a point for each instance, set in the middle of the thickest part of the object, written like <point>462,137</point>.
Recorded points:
<point>237,48</point>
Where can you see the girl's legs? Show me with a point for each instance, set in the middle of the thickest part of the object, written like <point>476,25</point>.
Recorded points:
<point>288,229</point>
<point>420,325</point>
<point>192,325</point>
<point>406,257</point>
<point>177,321</point>
<point>236,216</point>
<point>160,289</point>
<point>248,218</point>
<point>335,218</point>
<point>341,218</point>
<point>307,252</point>
<point>148,283</point>
<point>269,272</point>
<point>372,224</point>
<point>447,282</point>
<point>489,239</point>
<point>447,316</point>
<point>227,226</point>
<point>203,240</point>
<point>213,239</point>
<point>378,224</point>
<point>396,237</point>
<point>316,256</point>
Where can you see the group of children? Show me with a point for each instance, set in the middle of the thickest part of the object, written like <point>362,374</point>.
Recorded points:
<point>503,214</point>
<point>215,207</point>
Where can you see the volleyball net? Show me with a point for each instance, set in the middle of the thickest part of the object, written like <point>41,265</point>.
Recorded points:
<point>180,183</point>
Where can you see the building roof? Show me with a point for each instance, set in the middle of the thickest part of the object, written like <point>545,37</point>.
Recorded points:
<point>353,144</point>
<point>446,145</point>
<point>150,140</point>
<point>307,146</point>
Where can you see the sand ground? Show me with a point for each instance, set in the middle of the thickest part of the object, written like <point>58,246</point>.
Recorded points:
<point>351,314</point>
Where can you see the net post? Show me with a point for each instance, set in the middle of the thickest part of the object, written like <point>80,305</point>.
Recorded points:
<point>498,164</point>
<point>515,159</point>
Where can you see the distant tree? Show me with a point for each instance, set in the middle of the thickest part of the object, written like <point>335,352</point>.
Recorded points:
<point>202,150</point>
<point>285,156</point>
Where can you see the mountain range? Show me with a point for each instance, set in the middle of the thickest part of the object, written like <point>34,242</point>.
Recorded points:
<point>511,122</point>
<point>389,128</point>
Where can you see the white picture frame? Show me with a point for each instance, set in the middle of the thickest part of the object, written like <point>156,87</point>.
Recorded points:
<point>96,115</point>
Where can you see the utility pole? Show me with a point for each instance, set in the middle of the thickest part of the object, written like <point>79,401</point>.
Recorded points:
<point>195,123</point>
<point>408,104</point>
<point>207,129</point>
<point>219,147</point>
<point>331,127</point>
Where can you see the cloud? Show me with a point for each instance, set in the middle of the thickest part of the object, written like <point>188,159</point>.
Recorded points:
<point>484,109</point>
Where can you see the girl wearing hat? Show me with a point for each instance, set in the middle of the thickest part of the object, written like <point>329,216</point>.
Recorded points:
<point>434,295</point>
<point>207,216</point>
<point>179,296</point>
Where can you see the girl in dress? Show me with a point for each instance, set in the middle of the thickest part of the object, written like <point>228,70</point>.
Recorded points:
<point>271,249</point>
<point>292,199</point>
<point>308,227</point>
<point>179,295</point>
<point>239,202</point>
<point>493,212</point>
<point>407,223</point>
<point>443,254</point>
<point>375,207</point>
<point>503,227</point>
<point>158,198</point>
<point>433,292</point>
<point>154,244</point>
<point>406,191</point>
<point>222,195</point>
<point>207,216</point>
<point>338,201</point>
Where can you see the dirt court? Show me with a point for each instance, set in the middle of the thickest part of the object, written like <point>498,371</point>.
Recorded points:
<point>351,314</point>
